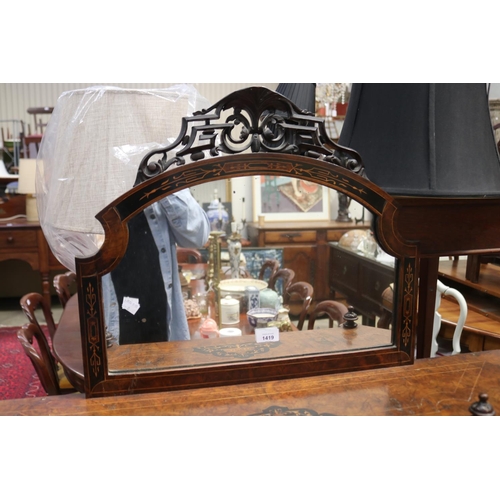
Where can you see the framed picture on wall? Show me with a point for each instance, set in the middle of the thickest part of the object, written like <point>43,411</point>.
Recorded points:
<point>289,199</point>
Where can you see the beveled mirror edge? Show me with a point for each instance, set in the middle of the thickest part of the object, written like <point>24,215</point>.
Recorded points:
<point>99,382</point>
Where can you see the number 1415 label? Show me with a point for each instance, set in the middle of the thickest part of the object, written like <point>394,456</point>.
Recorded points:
<point>270,334</point>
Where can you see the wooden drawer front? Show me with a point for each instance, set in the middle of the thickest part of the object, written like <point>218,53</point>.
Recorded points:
<point>344,273</point>
<point>273,237</point>
<point>17,239</point>
<point>302,259</point>
<point>491,343</point>
<point>335,234</point>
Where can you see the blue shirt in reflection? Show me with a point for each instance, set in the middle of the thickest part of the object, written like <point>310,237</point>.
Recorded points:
<point>175,220</point>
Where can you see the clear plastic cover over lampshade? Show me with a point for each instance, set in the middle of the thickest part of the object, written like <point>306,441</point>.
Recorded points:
<point>90,152</point>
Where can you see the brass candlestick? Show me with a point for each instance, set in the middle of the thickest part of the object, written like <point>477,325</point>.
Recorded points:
<point>214,269</point>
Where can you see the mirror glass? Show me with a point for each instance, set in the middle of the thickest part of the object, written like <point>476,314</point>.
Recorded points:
<point>358,273</point>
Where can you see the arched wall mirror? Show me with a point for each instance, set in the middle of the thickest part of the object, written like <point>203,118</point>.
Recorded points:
<point>263,135</point>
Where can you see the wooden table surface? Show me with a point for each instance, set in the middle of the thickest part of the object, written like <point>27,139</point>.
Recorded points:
<point>68,345</point>
<point>200,351</point>
<point>437,386</point>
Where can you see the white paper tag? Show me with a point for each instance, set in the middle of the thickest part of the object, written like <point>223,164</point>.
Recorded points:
<point>130,304</point>
<point>270,334</point>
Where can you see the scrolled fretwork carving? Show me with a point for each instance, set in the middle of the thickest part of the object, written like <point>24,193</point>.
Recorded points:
<point>253,120</point>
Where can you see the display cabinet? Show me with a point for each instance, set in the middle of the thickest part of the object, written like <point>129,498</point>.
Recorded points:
<point>361,278</point>
<point>305,246</point>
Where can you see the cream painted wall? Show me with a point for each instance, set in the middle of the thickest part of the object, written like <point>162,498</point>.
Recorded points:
<point>17,277</point>
<point>494,91</point>
<point>16,98</point>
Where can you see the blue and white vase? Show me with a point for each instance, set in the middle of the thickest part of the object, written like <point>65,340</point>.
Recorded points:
<point>217,216</point>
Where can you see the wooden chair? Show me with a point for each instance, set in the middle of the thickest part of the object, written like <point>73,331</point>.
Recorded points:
<point>283,275</point>
<point>303,291</point>
<point>32,145</point>
<point>269,268</point>
<point>63,284</point>
<point>385,320</point>
<point>189,256</point>
<point>30,303</point>
<point>442,289</point>
<point>39,123</point>
<point>44,363</point>
<point>332,308</point>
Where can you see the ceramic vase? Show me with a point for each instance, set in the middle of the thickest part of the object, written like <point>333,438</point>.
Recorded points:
<point>234,248</point>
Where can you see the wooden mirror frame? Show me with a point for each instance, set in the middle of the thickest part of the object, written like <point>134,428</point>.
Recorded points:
<point>324,168</point>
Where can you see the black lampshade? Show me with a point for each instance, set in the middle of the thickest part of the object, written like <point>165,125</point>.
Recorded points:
<point>302,95</point>
<point>424,139</point>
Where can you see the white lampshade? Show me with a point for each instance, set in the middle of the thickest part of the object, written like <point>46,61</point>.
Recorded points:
<point>91,150</point>
<point>26,185</point>
<point>27,173</point>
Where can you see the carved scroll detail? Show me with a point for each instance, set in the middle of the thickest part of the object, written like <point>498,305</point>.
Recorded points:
<point>258,120</point>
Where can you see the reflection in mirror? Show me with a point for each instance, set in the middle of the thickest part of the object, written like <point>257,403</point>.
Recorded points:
<point>150,299</point>
<point>143,296</point>
<point>264,135</point>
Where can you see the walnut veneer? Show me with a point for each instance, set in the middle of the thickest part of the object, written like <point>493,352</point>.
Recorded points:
<point>435,387</point>
<point>267,135</point>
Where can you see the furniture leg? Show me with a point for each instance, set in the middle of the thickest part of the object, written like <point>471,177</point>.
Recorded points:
<point>472,268</point>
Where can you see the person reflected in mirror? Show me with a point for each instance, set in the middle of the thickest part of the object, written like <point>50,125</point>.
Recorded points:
<point>142,296</point>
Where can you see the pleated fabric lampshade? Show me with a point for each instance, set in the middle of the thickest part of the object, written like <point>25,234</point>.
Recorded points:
<point>90,153</point>
<point>424,139</point>
<point>302,95</point>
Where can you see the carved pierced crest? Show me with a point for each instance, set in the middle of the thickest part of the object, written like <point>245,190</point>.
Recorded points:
<point>254,120</point>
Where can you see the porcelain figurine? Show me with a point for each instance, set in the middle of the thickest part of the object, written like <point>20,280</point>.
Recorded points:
<point>234,248</point>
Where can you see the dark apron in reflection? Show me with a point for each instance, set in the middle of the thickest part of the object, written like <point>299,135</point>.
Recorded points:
<point>138,276</point>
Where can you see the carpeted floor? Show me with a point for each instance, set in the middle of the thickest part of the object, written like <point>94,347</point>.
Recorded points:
<point>18,378</point>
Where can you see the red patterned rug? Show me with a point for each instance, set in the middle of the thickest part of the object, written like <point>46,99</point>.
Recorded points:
<point>18,378</point>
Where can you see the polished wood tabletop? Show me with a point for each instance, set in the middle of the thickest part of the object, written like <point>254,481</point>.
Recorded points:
<point>67,342</point>
<point>434,386</point>
<point>200,351</point>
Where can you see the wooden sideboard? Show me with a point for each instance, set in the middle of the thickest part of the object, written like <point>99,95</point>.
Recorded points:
<point>25,241</point>
<point>360,279</point>
<point>305,247</point>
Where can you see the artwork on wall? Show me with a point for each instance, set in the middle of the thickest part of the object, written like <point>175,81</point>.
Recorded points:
<point>255,257</point>
<point>287,198</point>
